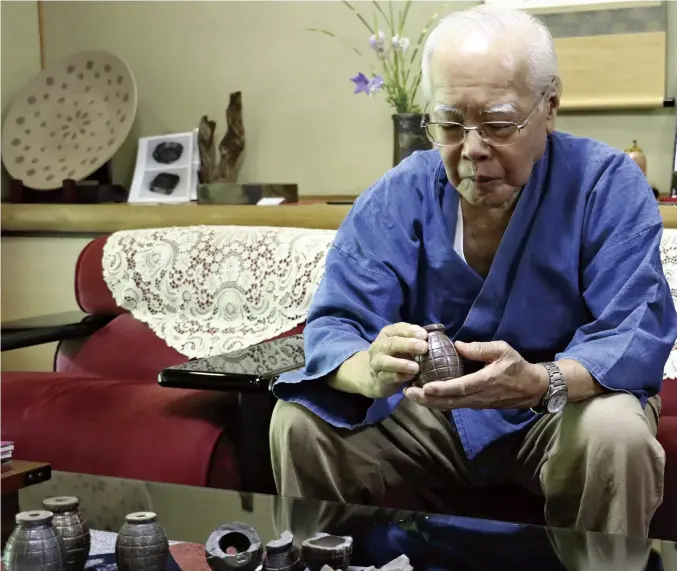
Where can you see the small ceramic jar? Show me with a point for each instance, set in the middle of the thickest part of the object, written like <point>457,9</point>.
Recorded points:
<point>141,544</point>
<point>71,525</point>
<point>441,362</point>
<point>34,545</point>
<point>235,546</point>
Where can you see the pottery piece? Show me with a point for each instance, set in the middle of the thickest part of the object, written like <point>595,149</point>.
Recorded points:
<point>141,544</point>
<point>408,136</point>
<point>324,549</point>
<point>34,545</point>
<point>71,525</point>
<point>164,183</point>
<point>69,120</point>
<point>168,152</point>
<point>282,555</point>
<point>441,362</point>
<point>636,153</point>
<point>234,546</point>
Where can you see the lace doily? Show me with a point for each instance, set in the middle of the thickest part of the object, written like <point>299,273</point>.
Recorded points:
<point>209,290</point>
<point>669,260</point>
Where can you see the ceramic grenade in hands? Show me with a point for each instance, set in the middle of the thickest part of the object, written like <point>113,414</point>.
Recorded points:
<point>442,362</point>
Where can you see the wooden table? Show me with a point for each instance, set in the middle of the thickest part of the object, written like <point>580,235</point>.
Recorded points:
<point>16,475</point>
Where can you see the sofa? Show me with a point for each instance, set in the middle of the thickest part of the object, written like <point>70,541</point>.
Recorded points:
<point>102,411</point>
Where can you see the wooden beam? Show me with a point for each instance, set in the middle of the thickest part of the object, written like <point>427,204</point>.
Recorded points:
<point>106,218</point>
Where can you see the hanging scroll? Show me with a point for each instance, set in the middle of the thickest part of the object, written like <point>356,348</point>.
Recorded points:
<point>612,55</point>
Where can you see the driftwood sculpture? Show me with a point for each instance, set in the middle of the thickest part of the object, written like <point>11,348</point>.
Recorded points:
<point>230,147</point>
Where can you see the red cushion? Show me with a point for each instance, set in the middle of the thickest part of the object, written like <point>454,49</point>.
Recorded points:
<point>91,291</point>
<point>120,429</point>
<point>664,523</point>
<point>669,398</point>
<point>124,349</point>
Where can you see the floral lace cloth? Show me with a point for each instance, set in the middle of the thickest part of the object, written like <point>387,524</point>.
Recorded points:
<point>669,259</point>
<point>209,290</point>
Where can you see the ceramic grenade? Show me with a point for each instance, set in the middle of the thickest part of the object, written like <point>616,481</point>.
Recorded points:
<point>441,362</point>
<point>34,545</point>
<point>324,549</point>
<point>72,527</point>
<point>282,555</point>
<point>141,544</point>
<point>235,546</point>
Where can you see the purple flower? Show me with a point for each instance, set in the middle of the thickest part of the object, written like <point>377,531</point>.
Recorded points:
<point>361,83</point>
<point>375,84</point>
<point>368,86</point>
<point>378,42</point>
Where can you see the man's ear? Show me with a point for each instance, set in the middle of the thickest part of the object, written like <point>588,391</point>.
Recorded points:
<point>553,105</point>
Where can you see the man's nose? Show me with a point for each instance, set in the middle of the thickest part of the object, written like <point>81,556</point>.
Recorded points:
<point>474,147</point>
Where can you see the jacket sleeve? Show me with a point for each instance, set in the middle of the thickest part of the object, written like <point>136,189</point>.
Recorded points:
<point>367,268</point>
<point>633,322</point>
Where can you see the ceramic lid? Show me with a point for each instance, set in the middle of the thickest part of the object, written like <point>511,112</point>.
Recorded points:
<point>61,503</point>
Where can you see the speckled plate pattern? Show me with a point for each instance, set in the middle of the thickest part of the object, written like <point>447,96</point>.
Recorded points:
<point>69,120</point>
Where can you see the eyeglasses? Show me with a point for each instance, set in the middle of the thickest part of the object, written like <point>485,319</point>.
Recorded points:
<point>494,133</point>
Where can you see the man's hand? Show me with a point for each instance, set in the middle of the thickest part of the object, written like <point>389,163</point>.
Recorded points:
<point>506,381</point>
<point>391,357</point>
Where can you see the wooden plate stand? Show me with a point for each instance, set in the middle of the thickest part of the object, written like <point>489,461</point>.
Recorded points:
<point>96,188</point>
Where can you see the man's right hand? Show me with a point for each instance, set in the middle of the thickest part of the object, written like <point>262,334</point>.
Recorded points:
<point>389,362</point>
<point>391,357</point>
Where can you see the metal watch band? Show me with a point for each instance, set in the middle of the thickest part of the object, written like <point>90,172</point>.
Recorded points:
<point>556,376</point>
<point>555,381</point>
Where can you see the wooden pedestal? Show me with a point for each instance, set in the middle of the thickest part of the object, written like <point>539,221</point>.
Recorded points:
<point>95,189</point>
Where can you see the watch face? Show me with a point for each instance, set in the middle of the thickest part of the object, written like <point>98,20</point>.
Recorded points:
<point>557,402</point>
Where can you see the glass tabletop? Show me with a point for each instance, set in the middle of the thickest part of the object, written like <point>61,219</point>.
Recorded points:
<point>190,514</point>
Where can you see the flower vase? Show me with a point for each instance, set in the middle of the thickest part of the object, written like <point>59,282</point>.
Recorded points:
<point>408,136</point>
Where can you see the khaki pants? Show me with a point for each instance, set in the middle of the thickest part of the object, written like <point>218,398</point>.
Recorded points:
<point>598,463</point>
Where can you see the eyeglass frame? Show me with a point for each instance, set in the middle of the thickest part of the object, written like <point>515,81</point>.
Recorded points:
<point>478,127</point>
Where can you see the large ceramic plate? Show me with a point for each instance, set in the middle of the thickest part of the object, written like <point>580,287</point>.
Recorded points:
<point>69,120</point>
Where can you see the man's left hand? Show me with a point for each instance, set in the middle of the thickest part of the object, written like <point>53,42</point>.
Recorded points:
<point>506,381</point>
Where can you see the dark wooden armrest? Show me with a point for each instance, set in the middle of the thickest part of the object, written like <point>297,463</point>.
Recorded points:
<point>49,328</point>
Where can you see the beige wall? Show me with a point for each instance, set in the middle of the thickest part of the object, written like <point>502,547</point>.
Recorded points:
<point>37,279</point>
<point>47,288</point>
<point>20,52</point>
<point>302,121</point>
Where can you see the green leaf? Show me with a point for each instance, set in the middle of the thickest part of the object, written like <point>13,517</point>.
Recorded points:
<point>424,34</point>
<point>388,21</point>
<point>359,16</point>
<point>332,35</point>
<point>403,17</point>
<point>392,18</point>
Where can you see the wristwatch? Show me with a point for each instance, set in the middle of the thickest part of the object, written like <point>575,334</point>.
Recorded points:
<point>556,397</point>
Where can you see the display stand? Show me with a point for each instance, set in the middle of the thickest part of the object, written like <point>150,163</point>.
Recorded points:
<point>96,188</point>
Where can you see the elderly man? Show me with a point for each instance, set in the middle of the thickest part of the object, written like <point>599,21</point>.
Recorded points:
<point>539,253</point>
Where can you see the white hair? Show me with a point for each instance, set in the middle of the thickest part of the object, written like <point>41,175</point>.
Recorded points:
<point>491,22</point>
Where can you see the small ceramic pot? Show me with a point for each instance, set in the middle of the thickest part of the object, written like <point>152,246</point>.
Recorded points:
<point>282,555</point>
<point>34,545</point>
<point>234,546</point>
<point>442,362</point>
<point>71,525</point>
<point>141,544</point>
<point>324,549</point>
